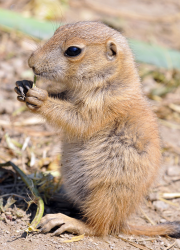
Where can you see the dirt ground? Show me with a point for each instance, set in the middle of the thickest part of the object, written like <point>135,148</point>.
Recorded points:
<point>35,147</point>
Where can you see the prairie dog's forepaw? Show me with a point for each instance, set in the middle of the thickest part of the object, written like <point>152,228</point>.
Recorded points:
<point>35,98</point>
<point>65,224</point>
<point>22,88</point>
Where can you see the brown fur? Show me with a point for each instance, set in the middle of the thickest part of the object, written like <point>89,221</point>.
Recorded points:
<point>111,147</point>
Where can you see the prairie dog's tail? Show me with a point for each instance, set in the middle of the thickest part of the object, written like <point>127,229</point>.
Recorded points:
<point>170,228</point>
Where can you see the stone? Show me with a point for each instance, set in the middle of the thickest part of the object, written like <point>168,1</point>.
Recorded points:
<point>160,205</point>
<point>173,171</point>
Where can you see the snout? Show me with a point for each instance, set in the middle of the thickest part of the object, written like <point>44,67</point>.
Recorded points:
<point>33,63</point>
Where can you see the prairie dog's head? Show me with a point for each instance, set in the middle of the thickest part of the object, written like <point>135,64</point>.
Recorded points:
<point>82,53</point>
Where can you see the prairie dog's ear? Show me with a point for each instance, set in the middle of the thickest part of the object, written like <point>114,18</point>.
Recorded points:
<point>112,50</point>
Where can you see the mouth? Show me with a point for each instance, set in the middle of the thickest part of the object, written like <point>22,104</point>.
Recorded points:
<point>43,74</point>
<point>47,75</point>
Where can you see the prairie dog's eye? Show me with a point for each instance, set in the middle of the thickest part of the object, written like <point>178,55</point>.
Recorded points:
<point>72,51</point>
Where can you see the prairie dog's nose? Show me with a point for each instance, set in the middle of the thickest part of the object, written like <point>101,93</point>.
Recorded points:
<point>33,68</point>
<point>33,64</point>
<point>31,61</point>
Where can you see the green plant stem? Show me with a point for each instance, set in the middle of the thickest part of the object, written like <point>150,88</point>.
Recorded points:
<point>34,191</point>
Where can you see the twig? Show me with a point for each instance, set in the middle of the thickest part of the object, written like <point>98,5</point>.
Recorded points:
<point>28,122</point>
<point>73,239</point>
<point>135,244</point>
<point>34,191</point>
<point>147,217</point>
<point>170,195</point>
<point>149,239</point>
<point>17,195</point>
<point>170,246</point>
<point>168,202</point>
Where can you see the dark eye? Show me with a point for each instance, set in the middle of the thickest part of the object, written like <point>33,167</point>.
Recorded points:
<point>72,51</point>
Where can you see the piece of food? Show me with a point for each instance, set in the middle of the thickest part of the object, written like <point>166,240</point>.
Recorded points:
<point>34,83</point>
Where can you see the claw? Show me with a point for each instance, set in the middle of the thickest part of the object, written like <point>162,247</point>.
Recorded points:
<point>27,84</point>
<point>65,224</point>
<point>17,90</point>
<point>60,230</point>
<point>22,87</point>
<point>21,98</point>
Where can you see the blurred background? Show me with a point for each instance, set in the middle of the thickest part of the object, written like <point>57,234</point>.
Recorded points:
<point>153,32</point>
<point>152,28</point>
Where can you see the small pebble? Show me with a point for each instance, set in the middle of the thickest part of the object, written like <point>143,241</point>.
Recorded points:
<point>8,213</point>
<point>160,205</point>
<point>178,243</point>
<point>173,171</point>
<point>162,221</point>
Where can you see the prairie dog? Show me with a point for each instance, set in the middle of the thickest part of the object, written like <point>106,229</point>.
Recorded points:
<point>111,147</point>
